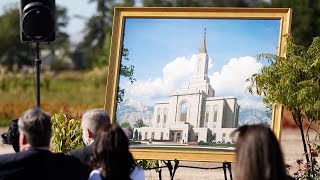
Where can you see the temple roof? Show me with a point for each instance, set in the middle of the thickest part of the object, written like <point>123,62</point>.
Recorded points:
<point>203,48</point>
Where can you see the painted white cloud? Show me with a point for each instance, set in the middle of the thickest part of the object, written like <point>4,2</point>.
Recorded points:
<point>177,70</point>
<point>175,75</point>
<point>230,81</point>
<point>251,103</point>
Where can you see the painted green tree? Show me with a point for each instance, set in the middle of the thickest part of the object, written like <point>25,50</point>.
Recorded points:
<point>125,71</point>
<point>139,123</point>
<point>136,135</point>
<point>126,125</point>
<point>293,81</point>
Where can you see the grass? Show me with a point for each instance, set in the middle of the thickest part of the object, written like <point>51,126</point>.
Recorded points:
<point>73,90</point>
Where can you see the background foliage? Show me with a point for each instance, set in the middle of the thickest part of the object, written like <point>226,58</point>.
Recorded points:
<point>67,133</point>
<point>294,81</point>
<point>76,91</point>
<point>92,52</point>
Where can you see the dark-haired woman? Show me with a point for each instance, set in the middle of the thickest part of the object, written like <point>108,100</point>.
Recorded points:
<point>258,154</point>
<point>112,159</point>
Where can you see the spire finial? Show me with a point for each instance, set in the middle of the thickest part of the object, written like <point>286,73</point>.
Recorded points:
<point>203,48</point>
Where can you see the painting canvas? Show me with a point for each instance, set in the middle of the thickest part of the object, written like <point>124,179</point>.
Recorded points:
<point>189,91</point>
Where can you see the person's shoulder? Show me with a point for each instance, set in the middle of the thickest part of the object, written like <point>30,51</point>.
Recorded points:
<point>6,158</point>
<point>75,152</point>
<point>60,157</point>
<point>13,157</point>
<point>95,175</point>
<point>137,173</point>
<point>81,151</point>
<point>17,163</point>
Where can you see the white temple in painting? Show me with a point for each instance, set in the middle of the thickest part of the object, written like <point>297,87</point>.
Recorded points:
<point>194,114</point>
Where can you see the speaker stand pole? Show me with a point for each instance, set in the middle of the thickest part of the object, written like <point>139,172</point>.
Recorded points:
<point>38,69</point>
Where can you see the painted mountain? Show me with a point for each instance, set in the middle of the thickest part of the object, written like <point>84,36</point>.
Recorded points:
<point>130,111</point>
<point>253,116</point>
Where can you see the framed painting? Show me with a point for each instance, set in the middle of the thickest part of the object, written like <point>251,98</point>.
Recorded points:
<point>177,78</point>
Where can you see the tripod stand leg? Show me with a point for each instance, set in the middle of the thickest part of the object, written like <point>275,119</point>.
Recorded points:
<point>38,68</point>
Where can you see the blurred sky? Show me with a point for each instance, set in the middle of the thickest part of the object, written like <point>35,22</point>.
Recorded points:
<point>76,9</point>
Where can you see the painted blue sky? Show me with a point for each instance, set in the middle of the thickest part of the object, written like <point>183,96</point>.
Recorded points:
<point>161,48</point>
<point>155,42</point>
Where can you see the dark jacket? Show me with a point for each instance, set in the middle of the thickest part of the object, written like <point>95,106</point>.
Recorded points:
<point>39,164</point>
<point>84,155</point>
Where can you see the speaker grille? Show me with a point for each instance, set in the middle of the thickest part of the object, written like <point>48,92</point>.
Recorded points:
<point>37,21</point>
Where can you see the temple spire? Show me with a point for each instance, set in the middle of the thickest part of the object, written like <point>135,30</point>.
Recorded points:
<point>203,48</point>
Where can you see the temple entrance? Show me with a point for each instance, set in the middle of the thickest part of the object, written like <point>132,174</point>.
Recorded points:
<point>176,136</point>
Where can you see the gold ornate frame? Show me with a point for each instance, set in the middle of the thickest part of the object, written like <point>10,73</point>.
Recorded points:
<point>282,14</point>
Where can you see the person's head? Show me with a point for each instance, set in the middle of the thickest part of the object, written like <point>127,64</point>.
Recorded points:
<point>35,129</point>
<point>258,154</point>
<point>92,121</point>
<point>111,153</point>
<point>12,135</point>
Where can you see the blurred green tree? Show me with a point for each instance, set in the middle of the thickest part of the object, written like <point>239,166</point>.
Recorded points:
<point>200,3</point>
<point>62,37</point>
<point>96,43</point>
<point>305,20</point>
<point>12,51</point>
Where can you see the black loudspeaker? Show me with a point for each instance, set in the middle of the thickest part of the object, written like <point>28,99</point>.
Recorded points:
<point>37,20</point>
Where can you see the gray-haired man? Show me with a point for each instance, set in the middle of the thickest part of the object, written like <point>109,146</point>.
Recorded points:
<point>92,121</point>
<point>35,160</point>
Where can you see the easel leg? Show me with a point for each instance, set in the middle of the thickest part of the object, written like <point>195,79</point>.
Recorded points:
<point>230,170</point>
<point>176,165</point>
<point>172,170</point>
<point>225,170</point>
<point>169,166</point>
<point>160,175</point>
